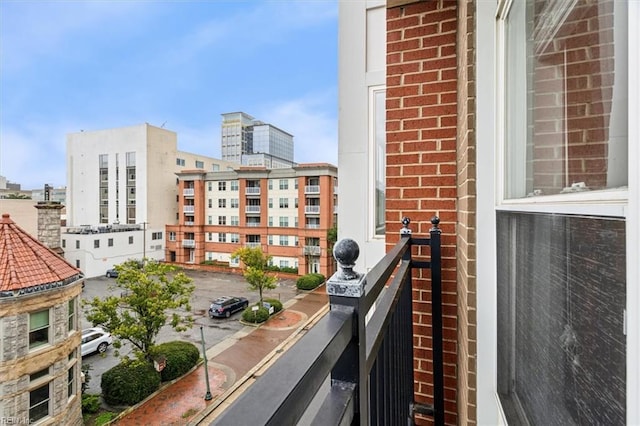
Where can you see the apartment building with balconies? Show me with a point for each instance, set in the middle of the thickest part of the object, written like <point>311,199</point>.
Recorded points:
<point>287,212</point>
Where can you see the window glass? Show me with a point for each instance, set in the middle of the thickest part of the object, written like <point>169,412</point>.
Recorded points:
<point>566,97</point>
<point>561,343</point>
<point>379,142</point>
<point>72,315</point>
<point>39,403</point>
<point>38,328</point>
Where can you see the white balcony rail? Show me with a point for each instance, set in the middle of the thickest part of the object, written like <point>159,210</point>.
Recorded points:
<point>252,209</point>
<point>312,226</point>
<point>253,224</point>
<point>189,192</point>
<point>312,209</point>
<point>189,223</point>
<point>189,243</point>
<point>252,190</point>
<point>312,250</point>
<point>312,189</point>
<point>252,245</point>
<point>189,209</point>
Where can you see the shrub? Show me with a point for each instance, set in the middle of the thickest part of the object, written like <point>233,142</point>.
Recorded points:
<point>309,281</point>
<point>129,383</point>
<point>180,356</point>
<point>277,305</point>
<point>256,317</point>
<point>90,403</point>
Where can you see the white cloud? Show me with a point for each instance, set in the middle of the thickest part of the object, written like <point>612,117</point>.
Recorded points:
<point>313,123</point>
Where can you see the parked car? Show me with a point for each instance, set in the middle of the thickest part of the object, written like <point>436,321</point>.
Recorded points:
<point>112,273</point>
<point>95,340</point>
<point>227,305</point>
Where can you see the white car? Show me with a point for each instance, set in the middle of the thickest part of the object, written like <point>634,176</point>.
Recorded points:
<point>95,340</point>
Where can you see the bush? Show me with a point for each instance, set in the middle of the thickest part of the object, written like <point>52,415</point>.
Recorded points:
<point>309,281</point>
<point>180,356</point>
<point>90,403</point>
<point>256,317</point>
<point>129,383</point>
<point>277,305</point>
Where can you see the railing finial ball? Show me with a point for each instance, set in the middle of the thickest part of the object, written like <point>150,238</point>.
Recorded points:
<point>435,221</point>
<point>405,226</point>
<point>346,252</point>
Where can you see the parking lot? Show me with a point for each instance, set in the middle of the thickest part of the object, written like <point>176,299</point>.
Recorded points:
<point>209,286</point>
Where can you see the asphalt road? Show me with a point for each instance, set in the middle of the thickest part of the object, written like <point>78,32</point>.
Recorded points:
<point>209,286</point>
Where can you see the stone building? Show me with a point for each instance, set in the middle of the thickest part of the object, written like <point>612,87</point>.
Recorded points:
<point>39,332</point>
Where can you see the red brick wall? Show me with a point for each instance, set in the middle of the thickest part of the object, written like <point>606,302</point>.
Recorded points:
<point>421,166</point>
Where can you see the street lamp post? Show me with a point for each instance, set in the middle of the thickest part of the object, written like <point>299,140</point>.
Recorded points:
<point>207,396</point>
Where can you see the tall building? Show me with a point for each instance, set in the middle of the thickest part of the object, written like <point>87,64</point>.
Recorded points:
<point>40,356</point>
<point>516,124</point>
<point>121,192</point>
<point>285,212</point>
<point>251,142</point>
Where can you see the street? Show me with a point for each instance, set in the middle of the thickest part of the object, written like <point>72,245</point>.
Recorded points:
<point>209,286</point>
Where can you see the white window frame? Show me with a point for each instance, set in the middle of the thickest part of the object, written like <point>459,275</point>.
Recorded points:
<point>490,192</point>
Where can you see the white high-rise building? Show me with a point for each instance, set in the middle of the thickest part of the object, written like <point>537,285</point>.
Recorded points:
<point>121,192</point>
<point>250,142</point>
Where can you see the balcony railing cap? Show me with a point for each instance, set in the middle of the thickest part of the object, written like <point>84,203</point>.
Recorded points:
<point>346,282</point>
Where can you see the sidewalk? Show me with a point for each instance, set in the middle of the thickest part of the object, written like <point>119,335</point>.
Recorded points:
<point>233,365</point>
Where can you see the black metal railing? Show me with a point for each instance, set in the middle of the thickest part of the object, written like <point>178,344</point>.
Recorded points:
<point>360,355</point>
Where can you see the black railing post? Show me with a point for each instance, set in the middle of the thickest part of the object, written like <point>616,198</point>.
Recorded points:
<point>436,321</point>
<point>346,289</point>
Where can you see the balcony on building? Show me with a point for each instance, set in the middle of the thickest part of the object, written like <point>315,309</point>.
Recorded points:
<point>355,365</point>
<point>252,209</point>
<point>252,188</point>
<point>312,189</point>
<point>253,221</point>
<point>189,243</point>
<point>188,192</point>
<point>312,209</point>
<point>311,250</point>
<point>189,209</point>
<point>252,244</point>
<point>312,223</point>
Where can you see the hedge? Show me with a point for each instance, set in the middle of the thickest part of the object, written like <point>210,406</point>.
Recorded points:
<point>129,383</point>
<point>180,357</point>
<point>277,305</point>
<point>309,281</point>
<point>256,317</point>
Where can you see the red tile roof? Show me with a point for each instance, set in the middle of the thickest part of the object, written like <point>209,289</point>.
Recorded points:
<point>25,262</point>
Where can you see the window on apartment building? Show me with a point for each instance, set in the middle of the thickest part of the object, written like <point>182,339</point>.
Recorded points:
<point>38,328</point>
<point>284,263</point>
<point>284,183</point>
<point>284,203</point>
<point>210,203</point>
<point>71,379</point>
<point>378,143</point>
<point>222,237</point>
<point>215,167</point>
<point>77,244</point>
<point>110,242</point>
<point>156,235</point>
<point>234,185</point>
<point>235,220</point>
<point>131,240</point>
<point>222,186</point>
<point>284,221</point>
<point>222,220</point>
<point>270,240</point>
<point>561,311</point>
<point>78,263</point>
<point>222,203</point>
<point>96,243</point>
<point>270,203</point>
<point>295,202</point>
<point>295,183</point>
<point>172,236</point>
<point>39,400</point>
<point>234,238</point>
<point>284,240</point>
<point>209,236</point>
<point>199,164</point>
<point>71,315</point>
<point>209,186</point>
<point>180,162</point>
<point>64,243</point>
<point>270,183</point>
<point>210,220</point>
<point>234,203</point>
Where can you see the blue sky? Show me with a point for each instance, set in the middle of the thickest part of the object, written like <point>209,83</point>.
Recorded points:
<point>67,66</point>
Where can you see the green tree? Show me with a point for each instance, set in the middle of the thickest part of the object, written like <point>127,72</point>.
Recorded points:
<point>332,236</point>
<point>256,266</point>
<point>147,290</point>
